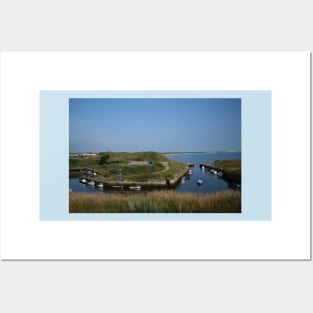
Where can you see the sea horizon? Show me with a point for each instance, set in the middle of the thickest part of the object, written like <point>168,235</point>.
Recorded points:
<point>165,152</point>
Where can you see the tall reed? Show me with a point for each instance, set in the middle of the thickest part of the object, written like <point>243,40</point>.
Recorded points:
<point>156,202</point>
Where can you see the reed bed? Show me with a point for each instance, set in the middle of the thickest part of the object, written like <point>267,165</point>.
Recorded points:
<point>156,202</point>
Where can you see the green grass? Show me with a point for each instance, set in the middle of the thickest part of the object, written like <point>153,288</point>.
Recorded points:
<point>135,156</point>
<point>138,170</point>
<point>156,202</point>
<point>81,162</point>
<point>118,163</point>
<point>232,167</point>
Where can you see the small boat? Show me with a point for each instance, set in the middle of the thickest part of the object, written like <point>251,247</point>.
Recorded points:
<point>118,186</point>
<point>220,174</point>
<point>215,172</point>
<point>203,168</point>
<point>100,185</point>
<point>183,180</point>
<point>190,172</point>
<point>83,180</point>
<point>135,187</point>
<point>91,183</point>
<point>200,182</point>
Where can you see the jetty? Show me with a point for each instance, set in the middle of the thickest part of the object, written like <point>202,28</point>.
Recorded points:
<point>167,183</point>
<point>228,170</point>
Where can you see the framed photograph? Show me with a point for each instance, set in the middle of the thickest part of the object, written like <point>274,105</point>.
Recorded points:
<point>155,155</point>
<point>150,155</point>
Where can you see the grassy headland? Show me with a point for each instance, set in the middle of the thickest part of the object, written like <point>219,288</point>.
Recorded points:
<point>135,167</point>
<point>156,202</point>
<point>230,168</point>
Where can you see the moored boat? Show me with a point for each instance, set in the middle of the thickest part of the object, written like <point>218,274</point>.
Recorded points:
<point>118,186</point>
<point>91,183</point>
<point>200,182</point>
<point>135,187</point>
<point>83,180</point>
<point>100,185</point>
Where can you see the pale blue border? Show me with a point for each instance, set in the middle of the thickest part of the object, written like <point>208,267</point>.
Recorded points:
<point>256,155</point>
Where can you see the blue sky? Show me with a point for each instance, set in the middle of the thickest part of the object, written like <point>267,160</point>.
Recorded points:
<point>162,125</point>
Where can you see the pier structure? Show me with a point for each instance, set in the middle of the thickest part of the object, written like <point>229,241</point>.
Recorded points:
<point>233,180</point>
<point>167,183</point>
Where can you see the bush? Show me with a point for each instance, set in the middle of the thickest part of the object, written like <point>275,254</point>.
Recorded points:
<point>104,159</point>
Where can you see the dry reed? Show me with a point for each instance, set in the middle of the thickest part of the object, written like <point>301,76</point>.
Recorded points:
<point>156,202</point>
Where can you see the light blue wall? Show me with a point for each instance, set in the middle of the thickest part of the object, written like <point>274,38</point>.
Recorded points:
<point>256,154</point>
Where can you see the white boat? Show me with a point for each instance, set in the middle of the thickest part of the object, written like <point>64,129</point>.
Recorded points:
<point>117,186</point>
<point>190,172</point>
<point>83,180</point>
<point>200,181</point>
<point>183,180</point>
<point>215,172</point>
<point>100,185</point>
<point>220,174</point>
<point>134,187</point>
<point>91,183</point>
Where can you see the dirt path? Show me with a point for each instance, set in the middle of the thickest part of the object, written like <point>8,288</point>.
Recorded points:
<point>166,167</point>
<point>144,163</point>
<point>138,163</point>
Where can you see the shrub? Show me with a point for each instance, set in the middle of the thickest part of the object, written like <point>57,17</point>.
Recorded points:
<point>104,159</point>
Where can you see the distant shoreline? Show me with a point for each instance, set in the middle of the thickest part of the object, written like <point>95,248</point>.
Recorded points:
<point>164,153</point>
<point>181,153</point>
<point>200,152</point>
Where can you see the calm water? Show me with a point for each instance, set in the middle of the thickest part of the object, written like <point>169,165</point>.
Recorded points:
<point>211,183</point>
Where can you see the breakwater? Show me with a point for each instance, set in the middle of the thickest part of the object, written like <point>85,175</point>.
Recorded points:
<point>233,180</point>
<point>167,183</point>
